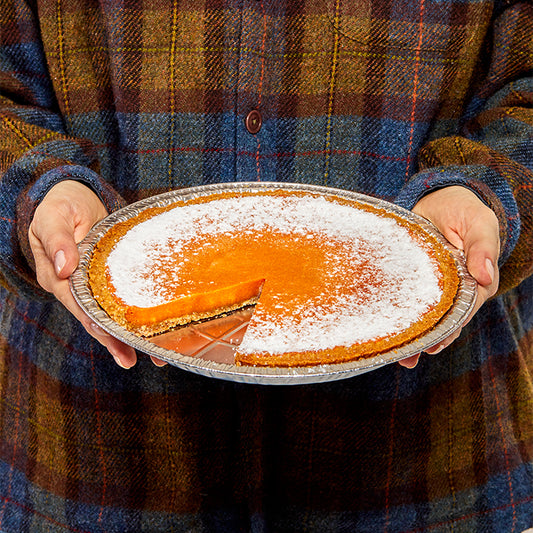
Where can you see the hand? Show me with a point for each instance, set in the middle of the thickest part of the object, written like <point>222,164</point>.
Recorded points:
<point>472,227</point>
<point>61,221</point>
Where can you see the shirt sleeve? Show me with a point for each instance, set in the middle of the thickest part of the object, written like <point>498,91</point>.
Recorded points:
<point>35,150</point>
<point>493,154</point>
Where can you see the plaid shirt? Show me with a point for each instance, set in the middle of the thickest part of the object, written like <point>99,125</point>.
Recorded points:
<point>391,98</point>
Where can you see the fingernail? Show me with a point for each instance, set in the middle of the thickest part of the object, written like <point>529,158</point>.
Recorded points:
<point>489,265</point>
<point>411,361</point>
<point>435,349</point>
<point>115,357</point>
<point>119,362</point>
<point>97,330</point>
<point>59,261</point>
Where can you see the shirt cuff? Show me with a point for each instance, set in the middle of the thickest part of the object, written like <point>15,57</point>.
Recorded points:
<point>493,191</point>
<point>35,194</point>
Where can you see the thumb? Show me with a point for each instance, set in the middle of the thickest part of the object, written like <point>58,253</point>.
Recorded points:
<point>61,220</point>
<point>64,262</point>
<point>481,247</point>
<point>57,240</point>
<point>469,225</point>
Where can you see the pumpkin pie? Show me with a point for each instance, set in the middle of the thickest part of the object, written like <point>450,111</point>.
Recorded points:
<point>332,279</point>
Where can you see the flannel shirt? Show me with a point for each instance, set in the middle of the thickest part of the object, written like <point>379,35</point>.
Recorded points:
<point>391,98</point>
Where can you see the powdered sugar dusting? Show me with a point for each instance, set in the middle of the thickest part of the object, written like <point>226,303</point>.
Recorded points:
<point>408,278</point>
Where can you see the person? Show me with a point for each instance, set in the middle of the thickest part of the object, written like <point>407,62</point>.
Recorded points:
<point>427,104</point>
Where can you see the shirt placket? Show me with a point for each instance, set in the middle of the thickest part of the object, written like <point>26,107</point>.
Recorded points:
<point>252,115</point>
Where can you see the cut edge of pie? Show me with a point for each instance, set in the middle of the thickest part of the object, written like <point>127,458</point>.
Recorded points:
<point>194,307</point>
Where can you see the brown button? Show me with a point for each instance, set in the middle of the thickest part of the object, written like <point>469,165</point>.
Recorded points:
<point>253,121</point>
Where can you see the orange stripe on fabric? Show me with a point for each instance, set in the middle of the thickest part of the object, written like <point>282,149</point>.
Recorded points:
<point>470,516</point>
<point>14,435</point>
<point>61,55</point>
<point>100,443</point>
<point>172,88</point>
<point>390,461</point>
<point>332,81</point>
<point>460,151</point>
<point>310,461</point>
<point>172,466</point>
<point>502,432</point>
<point>303,153</point>
<point>12,126</point>
<point>415,88</point>
<point>45,517</point>
<point>451,480</point>
<point>253,51</point>
<point>260,88</point>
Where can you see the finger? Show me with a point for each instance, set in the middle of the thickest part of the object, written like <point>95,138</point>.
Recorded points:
<point>124,355</point>
<point>437,348</point>
<point>56,238</point>
<point>158,362</point>
<point>483,293</point>
<point>410,362</point>
<point>481,246</point>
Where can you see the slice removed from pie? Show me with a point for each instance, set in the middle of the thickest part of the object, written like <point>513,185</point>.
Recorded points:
<point>195,306</point>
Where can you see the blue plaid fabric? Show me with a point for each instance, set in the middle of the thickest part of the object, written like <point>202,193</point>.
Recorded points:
<point>392,98</point>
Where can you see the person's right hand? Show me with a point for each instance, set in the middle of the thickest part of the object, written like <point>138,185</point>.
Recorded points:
<point>469,225</point>
<point>61,221</point>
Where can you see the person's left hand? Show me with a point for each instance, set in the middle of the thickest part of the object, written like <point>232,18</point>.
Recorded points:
<point>472,227</point>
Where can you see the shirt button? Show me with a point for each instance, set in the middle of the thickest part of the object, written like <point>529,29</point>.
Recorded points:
<point>253,121</point>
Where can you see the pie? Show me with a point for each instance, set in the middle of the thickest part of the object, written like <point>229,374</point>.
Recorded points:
<point>332,279</point>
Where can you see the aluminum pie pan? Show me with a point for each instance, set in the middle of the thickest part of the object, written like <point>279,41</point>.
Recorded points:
<point>208,363</point>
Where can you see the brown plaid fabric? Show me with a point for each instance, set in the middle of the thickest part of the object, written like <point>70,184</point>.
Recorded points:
<point>391,98</point>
